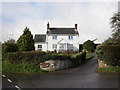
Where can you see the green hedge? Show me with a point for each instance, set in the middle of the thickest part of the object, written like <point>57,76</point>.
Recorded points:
<point>109,54</point>
<point>39,56</point>
<point>24,57</point>
<point>29,61</point>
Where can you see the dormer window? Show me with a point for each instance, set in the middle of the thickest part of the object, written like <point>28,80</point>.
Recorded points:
<point>54,37</point>
<point>70,37</point>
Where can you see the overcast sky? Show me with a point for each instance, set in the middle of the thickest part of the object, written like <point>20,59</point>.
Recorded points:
<point>93,18</point>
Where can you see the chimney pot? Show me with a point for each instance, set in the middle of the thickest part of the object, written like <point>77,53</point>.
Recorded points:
<point>75,26</point>
<point>48,26</point>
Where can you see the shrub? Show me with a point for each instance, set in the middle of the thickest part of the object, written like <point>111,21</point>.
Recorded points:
<point>9,46</point>
<point>111,42</point>
<point>23,57</point>
<point>109,54</point>
<point>88,45</point>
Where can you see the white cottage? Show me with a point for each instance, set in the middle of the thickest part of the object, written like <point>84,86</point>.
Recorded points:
<point>59,39</point>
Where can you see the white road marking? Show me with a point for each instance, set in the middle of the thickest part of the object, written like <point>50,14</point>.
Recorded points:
<point>17,87</point>
<point>3,75</point>
<point>9,80</point>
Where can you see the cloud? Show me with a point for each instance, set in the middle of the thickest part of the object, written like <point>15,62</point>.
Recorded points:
<point>60,0</point>
<point>92,18</point>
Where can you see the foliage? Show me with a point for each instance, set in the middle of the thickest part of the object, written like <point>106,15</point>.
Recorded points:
<point>24,68</point>
<point>109,54</point>
<point>28,60</point>
<point>27,56</point>
<point>26,42</point>
<point>9,46</point>
<point>88,45</point>
<point>111,42</point>
<point>89,56</point>
<point>115,24</point>
<point>110,69</point>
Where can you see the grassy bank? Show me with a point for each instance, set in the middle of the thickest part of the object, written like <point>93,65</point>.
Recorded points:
<point>110,69</point>
<point>89,56</point>
<point>20,68</point>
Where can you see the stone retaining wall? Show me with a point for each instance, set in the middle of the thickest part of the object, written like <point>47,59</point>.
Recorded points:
<point>101,64</point>
<point>54,65</point>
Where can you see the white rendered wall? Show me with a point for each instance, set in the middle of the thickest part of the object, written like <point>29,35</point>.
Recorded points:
<point>44,46</point>
<point>74,41</point>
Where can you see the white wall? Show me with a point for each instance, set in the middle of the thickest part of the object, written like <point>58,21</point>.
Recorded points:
<point>74,41</point>
<point>44,46</point>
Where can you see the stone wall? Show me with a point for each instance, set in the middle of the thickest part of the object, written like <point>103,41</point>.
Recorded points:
<point>54,65</point>
<point>101,64</point>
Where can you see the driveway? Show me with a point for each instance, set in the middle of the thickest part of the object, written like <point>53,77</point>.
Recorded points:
<point>83,76</point>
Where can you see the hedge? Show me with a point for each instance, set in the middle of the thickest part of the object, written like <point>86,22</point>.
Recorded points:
<point>39,56</point>
<point>24,57</point>
<point>109,54</point>
<point>29,61</point>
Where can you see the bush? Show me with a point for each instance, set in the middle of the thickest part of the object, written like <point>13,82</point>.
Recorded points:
<point>88,45</point>
<point>37,57</point>
<point>109,54</point>
<point>9,46</point>
<point>111,42</point>
<point>22,57</point>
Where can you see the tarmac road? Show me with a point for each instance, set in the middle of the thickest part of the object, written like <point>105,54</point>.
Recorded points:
<point>83,76</point>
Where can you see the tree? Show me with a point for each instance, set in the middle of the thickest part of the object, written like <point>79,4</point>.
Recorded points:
<point>9,46</point>
<point>26,42</point>
<point>115,24</point>
<point>88,45</point>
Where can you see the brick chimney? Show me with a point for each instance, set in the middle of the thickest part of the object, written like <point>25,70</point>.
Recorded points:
<point>48,26</point>
<point>75,26</point>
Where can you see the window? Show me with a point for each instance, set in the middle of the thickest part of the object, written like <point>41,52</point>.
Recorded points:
<point>70,37</point>
<point>39,46</point>
<point>54,37</point>
<point>70,46</point>
<point>63,46</point>
<point>54,46</point>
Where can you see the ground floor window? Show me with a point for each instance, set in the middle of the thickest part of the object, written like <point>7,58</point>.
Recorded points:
<point>54,46</point>
<point>63,46</point>
<point>39,46</point>
<point>70,46</point>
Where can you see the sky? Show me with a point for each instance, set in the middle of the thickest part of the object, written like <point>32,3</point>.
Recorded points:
<point>93,18</point>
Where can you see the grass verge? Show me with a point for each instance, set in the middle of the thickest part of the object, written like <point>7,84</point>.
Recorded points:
<point>89,56</point>
<point>110,69</point>
<point>20,68</point>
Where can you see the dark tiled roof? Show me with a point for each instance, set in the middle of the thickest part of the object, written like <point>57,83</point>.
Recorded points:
<point>62,31</point>
<point>40,38</point>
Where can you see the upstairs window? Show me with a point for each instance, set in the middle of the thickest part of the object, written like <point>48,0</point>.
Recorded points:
<point>70,37</point>
<point>54,37</point>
